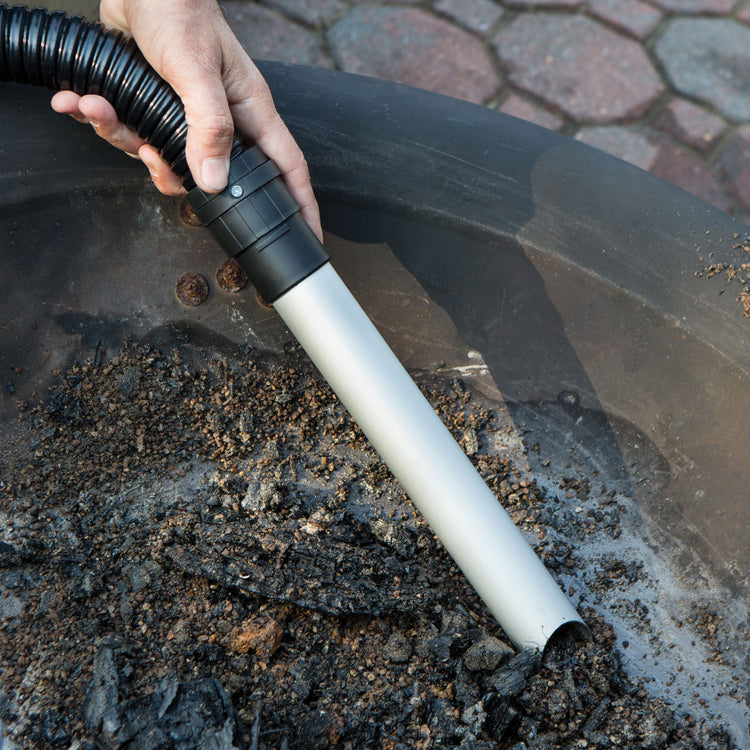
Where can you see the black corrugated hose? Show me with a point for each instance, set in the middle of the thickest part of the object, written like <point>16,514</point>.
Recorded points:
<point>255,219</point>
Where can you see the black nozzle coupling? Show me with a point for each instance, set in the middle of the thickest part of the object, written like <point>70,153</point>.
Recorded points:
<point>257,222</point>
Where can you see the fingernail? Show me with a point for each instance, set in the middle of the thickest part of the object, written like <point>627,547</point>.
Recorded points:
<point>94,123</point>
<point>214,173</point>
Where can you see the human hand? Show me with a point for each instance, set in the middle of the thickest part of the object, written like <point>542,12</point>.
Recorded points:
<point>189,43</point>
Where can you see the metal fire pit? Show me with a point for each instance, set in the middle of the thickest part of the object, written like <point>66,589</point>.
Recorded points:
<point>574,289</point>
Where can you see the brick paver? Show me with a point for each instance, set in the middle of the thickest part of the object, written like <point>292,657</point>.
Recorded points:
<point>632,16</point>
<point>517,107</point>
<point>657,153</point>
<point>691,124</point>
<point>709,58</point>
<point>271,36</point>
<point>718,7</point>
<point>391,2</point>
<point>734,166</point>
<point>579,66</point>
<point>683,167</point>
<point>621,142</point>
<point>475,15</point>
<point>411,46</point>
<point>532,4</point>
<point>662,83</point>
<point>316,14</point>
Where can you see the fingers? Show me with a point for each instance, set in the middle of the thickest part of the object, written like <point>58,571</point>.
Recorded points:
<point>100,114</point>
<point>255,114</point>
<point>165,180</point>
<point>210,134</point>
<point>66,103</point>
<point>283,149</point>
<point>221,89</point>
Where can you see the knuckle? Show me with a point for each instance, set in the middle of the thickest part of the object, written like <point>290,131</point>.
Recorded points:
<point>302,165</point>
<point>298,168</point>
<point>214,126</point>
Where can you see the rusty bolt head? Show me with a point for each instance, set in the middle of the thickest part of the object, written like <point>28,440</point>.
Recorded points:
<point>192,289</point>
<point>230,277</point>
<point>188,215</point>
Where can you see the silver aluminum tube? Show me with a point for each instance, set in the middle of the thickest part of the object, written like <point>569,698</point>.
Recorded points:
<point>419,450</point>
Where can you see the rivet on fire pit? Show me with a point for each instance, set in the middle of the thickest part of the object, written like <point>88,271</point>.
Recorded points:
<point>230,277</point>
<point>192,289</point>
<point>187,214</point>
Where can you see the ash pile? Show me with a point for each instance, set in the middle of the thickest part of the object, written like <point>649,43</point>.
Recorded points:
<point>202,551</point>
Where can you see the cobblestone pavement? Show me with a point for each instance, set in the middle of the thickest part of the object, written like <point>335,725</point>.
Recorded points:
<point>664,84</point>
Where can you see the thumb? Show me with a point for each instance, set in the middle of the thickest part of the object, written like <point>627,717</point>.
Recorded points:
<point>210,131</point>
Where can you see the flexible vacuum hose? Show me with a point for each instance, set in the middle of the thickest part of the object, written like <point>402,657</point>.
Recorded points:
<point>257,221</point>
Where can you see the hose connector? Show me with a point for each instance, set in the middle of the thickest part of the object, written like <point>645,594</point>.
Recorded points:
<point>256,220</point>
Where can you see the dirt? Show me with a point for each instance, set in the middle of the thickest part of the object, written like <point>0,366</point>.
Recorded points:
<point>202,551</point>
<point>736,270</point>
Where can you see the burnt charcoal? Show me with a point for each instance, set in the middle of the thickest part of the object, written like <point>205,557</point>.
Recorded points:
<point>526,663</point>
<point>508,683</point>
<point>447,644</point>
<point>440,718</point>
<point>455,624</point>
<point>718,739</point>
<point>486,654</point>
<point>102,711</point>
<point>9,556</point>
<point>440,645</point>
<point>396,536</point>
<point>64,407</point>
<point>7,714</point>
<point>314,572</point>
<point>208,653</point>
<point>397,648</point>
<point>84,581</point>
<point>313,730</point>
<point>180,716</point>
<point>129,381</point>
<point>548,741</point>
<point>595,719</point>
<point>473,722</point>
<point>466,687</point>
<point>510,679</point>
<point>48,730</point>
<point>501,716</point>
<point>139,577</point>
<point>528,732</point>
<point>30,551</point>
